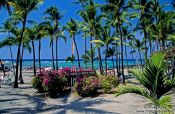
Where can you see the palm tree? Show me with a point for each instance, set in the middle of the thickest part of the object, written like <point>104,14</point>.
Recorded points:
<point>111,53</point>
<point>89,15</point>
<point>145,17</point>
<point>10,41</point>
<point>5,4</point>
<point>71,59</point>
<point>88,56</point>
<point>116,8</point>
<point>139,47</point>
<point>72,28</point>
<point>51,31</point>
<point>53,16</point>
<point>32,33</point>
<point>25,45</point>
<point>106,39</point>
<point>22,10</point>
<point>155,82</point>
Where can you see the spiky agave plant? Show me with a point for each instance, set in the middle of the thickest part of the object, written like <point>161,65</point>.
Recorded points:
<point>155,83</point>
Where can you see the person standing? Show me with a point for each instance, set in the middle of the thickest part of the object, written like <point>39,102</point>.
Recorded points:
<point>3,66</point>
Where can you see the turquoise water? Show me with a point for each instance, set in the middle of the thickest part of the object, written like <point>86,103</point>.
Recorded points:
<point>62,63</point>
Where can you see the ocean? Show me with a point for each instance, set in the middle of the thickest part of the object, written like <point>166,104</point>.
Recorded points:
<point>62,63</point>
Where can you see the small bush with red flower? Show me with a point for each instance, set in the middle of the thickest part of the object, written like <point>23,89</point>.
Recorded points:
<point>87,86</point>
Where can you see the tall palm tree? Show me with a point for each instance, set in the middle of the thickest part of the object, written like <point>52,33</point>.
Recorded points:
<point>25,45</point>
<point>54,16</point>
<point>145,17</point>
<point>32,32</point>
<point>72,27</point>
<point>155,83</point>
<point>116,8</point>
<point>22,10</point>
<point>51,31</point>
<point>89,15</point>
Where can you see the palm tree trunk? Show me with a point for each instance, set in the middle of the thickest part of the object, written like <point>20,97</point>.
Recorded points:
<point>34,60</point>
<point>85,47</point>
<point>20,73</point>
<point>146,52</point>
<point>113,65</point>
<point>11,54</point>
<point>133,57</point>
<point>150,46</point>
<point>106,63</point>
<point>100,61</point>
<point>77,52</point>
<point>39,52</point>
<point>157,43</point>
<point>163,45</point>
<point>56,53</point>
<point>92,61</point>
<point>53,64</point>
<point>18,52</point>
<point>116,58</point>
<point>140,57</point>
<point>126,55</point>
<point>121,37</point>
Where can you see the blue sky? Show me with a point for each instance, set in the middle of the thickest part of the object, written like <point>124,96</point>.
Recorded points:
<point>69,10</point>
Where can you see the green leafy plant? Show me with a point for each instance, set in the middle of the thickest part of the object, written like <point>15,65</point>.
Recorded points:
<point>155,83</point>
<point>37,82</point>
<point>109,82</point>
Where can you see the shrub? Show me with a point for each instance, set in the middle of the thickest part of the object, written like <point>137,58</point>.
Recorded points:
<point>54,84</point>
<point>37,83</point>
<point>87,86</point>
<point>108,82</point>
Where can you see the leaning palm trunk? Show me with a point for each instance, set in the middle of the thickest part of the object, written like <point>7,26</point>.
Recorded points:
<point>56,53</point>
<point>53,60</point>
<point>39,52</point>
<point>77,52</point>
<point>20,73</point>
<point>18,52</point>
<point>34,60</point>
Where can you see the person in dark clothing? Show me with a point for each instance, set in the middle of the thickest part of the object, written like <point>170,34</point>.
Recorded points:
<point>2,66</point>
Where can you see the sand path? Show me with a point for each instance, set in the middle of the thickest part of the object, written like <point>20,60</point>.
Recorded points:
<point>24,100</point>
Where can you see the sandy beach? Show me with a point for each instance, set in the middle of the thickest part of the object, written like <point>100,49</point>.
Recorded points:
<point>25,100</point>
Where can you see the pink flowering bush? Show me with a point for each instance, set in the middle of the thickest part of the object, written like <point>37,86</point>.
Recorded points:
<point>87,86</point>
<point>54,83</point>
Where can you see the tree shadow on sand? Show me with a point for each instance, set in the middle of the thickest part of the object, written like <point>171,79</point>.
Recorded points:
<point>80,105</point>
